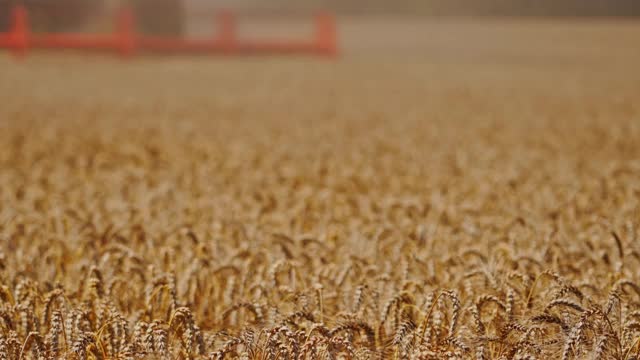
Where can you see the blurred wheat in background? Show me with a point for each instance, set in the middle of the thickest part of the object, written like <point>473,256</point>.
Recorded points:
<point>450,188</point>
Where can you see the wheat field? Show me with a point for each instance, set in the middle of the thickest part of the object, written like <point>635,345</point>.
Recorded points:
<point>424,207</point>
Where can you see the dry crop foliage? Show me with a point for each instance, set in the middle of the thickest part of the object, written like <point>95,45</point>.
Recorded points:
<point>361,224</point>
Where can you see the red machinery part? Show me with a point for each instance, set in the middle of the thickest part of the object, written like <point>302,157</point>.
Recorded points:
<point>126,42</point>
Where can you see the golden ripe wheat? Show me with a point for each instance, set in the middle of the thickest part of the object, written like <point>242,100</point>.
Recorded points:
<point>295,209</point>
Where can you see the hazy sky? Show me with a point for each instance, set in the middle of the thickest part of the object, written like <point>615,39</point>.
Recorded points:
<point>435,7</point>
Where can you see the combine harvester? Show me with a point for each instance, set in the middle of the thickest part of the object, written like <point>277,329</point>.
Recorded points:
<point>126,41</point>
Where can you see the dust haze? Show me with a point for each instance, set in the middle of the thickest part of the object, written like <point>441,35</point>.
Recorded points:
<point>441,7</point>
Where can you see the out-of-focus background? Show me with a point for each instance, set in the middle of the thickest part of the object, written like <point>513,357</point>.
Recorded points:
<point>69,13</point>
<point>446,30</point>
<point>442,7</point>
